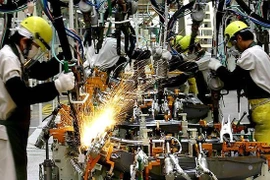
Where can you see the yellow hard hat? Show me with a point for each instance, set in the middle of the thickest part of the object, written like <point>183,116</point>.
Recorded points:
<point>184,42</point>
<point>178,38</point>
<point>175,39</point>
<point>233,28</point>
<point>40,29</point>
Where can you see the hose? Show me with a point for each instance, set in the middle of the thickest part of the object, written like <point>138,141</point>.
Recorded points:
<point>251,13</point>
<point>219,17</point>
<point>12,6</point>
<point>255,18</point>
<point>177,13</point>
<point>6,31</point>
<point>158,11</point>
<point>60,28</point>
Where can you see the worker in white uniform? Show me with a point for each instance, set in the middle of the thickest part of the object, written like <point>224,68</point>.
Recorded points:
<point>31,37</point>
<point>106,59</point>
<point>198,82</point>
<point>251,74</point>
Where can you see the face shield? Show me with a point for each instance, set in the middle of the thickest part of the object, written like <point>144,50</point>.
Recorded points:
<point>231,44</point>
<point>232,41</point>
<point>35,52</point>
<point>227,41</point>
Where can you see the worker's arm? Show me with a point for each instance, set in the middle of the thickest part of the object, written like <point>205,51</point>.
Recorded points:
<point>46,69</point>
<point>177,63</point>
<point>232,80</point>
<point>23,95</point>
<point>174,81</point>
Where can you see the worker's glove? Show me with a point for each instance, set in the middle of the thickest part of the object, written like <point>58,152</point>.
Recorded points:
<point>203,63</point>
<point>65,82</point>
<point>214,64</point>
<point>166,55</point>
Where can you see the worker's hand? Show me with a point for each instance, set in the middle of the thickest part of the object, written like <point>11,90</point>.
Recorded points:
<point>65,82</point>
<point>214,64</point>
<point>166,54</point>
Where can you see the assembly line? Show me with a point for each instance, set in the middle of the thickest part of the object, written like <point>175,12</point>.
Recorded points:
<point>137,87</point>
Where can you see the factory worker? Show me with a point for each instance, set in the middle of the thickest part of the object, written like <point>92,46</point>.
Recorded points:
<point>30,39</point>
<point>197,55</point>
<point>106,59</point>
<point>251,74</point>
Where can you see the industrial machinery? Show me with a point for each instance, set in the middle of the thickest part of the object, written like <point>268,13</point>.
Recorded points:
<point>141,147</point>
<point>157,133</point>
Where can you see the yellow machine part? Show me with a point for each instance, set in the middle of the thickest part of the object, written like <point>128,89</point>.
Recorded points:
<point>192,86</point>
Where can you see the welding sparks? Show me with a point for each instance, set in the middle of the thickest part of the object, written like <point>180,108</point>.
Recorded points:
<point>104,118</point>
<point>117,104</point>
<point>94,126</point>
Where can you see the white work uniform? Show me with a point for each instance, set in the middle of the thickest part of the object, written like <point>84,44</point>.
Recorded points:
<point>107,56</point>
<point>9,67</point>
<point>203,65</point>
<point>253,76</point>
<point>258,65</point>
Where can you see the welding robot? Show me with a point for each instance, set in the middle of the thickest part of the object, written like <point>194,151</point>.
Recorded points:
<point>188,66</point>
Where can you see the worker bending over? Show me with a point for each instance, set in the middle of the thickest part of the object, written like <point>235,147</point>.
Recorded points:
<point>251,74</point>
<point>30,39</point>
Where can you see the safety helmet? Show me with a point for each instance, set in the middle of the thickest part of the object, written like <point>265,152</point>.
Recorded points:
<point>178,38</point>
<point>40,29</point>
<point>183,42</point>
<point>174,40</point>
<point>233,28</point>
